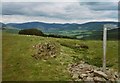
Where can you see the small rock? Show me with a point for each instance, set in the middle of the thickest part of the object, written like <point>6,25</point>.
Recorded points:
<point>78,80</point>
<point>90,74</point>
<point>90,71</point>
<point>116,75</point>
<point>112,80</point>
<point>75,76</point>
<point>89,79</point>
<point>100,73</point>
<point>98,79</point>
<point>84,75</point>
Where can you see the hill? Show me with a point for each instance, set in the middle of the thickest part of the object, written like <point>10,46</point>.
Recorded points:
<point>18,63</point>
<point>90,30</point>
<point>56,26</point>
<point>112,34</point>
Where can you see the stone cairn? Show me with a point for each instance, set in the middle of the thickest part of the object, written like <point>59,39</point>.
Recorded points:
<point>85,72</point>
<point>46,50</point>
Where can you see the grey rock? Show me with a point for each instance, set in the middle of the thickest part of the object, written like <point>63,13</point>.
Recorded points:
<point>89,79</point>
<point>100,73</point>
<point>75,76</point>
<point>85,72</point>
<point>98,79</point>
<point>84,75</point>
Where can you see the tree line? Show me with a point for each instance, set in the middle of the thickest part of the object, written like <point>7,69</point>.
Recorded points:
<point>40,33</point>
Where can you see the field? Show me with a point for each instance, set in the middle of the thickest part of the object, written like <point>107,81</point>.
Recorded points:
<point>19,65</point>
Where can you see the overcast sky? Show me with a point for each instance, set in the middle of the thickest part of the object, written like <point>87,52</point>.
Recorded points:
<point>59,12</point>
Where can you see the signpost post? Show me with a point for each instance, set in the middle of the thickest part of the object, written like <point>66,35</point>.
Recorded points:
<point>106,27</point>
<point>104,47</point>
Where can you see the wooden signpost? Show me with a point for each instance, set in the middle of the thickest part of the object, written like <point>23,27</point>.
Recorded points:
<point>106,27</point>
<point>104,47</point>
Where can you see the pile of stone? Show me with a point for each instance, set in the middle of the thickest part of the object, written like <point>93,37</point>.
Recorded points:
<point>85,72</point>
<point>46,50</point>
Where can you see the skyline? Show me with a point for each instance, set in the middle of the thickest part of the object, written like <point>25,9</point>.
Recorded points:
<point>59,12</point>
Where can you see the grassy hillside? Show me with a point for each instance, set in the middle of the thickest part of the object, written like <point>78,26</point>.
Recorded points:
<point>18,64</point>
<point>112,34</point>
<point>87,31</point>
<point>76,34</point>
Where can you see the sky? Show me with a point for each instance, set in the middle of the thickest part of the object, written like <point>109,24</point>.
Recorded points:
<point>58,12</point>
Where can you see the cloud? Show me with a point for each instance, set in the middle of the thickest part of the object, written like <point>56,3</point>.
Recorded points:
<point>60,0</point>
<point>58,11</point>
<point>101,6</point>
<point>41,0</point>
<point>99,0</point>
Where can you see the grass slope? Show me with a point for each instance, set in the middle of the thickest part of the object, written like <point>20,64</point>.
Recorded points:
<point>20,66</point>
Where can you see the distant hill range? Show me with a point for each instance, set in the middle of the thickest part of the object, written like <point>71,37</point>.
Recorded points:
<point>55,26</point>
<point>67,29</point>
